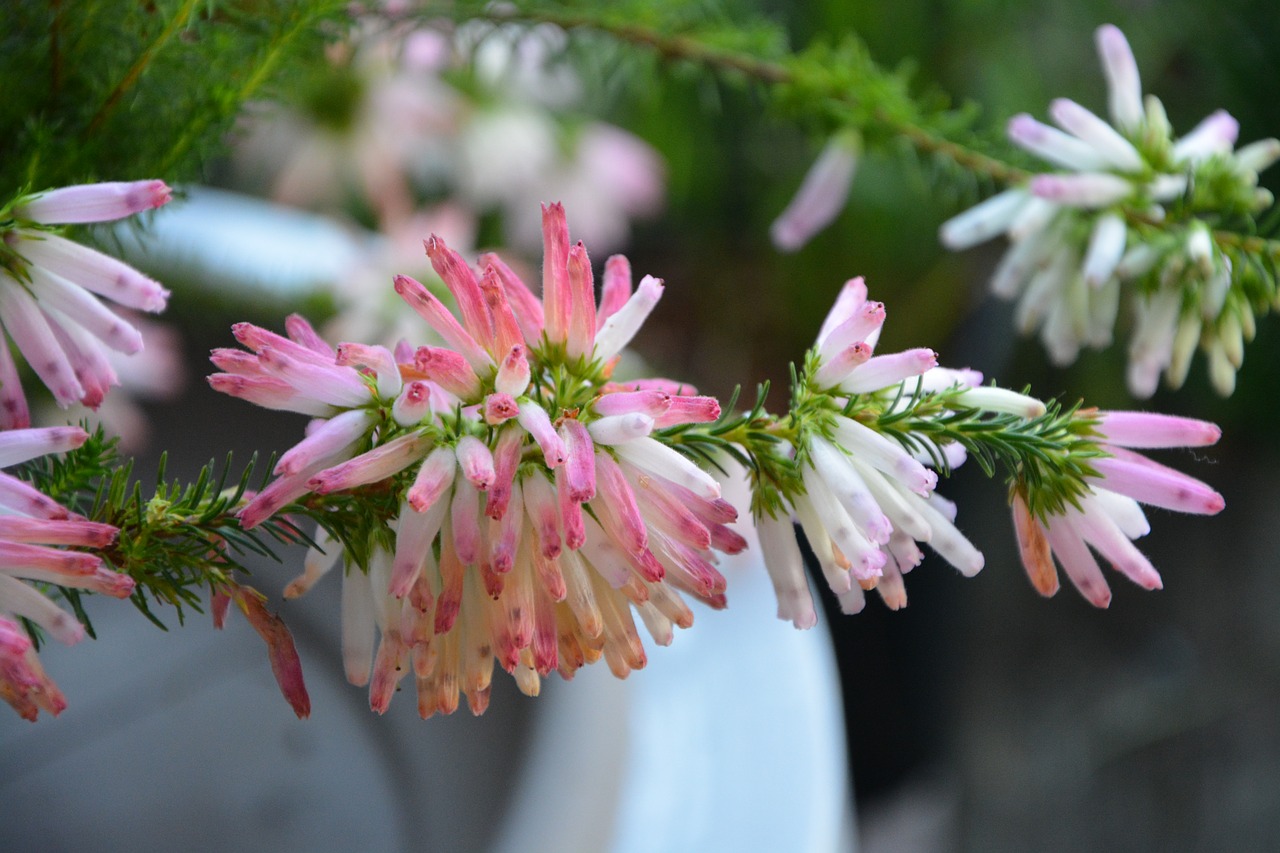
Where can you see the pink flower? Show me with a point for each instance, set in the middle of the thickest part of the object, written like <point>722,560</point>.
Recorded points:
<point>1110,515</point>
<point>539,514</point>
<point>34,535</point>
<point>301,373</point>
<point>822,194</point>
<point>281,651</point>
<point>47,295</point>
<point>93,202</point>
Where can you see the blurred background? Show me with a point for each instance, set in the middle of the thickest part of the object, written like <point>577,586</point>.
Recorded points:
<point>981,717</point>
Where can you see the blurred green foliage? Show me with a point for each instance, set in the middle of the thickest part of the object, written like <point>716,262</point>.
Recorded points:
<point>122,90</point>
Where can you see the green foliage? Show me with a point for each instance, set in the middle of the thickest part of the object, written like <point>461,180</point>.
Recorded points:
<point>177,543</point>
<point>121,90</point>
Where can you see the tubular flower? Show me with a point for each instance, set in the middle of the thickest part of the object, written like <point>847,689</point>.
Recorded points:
<point>48,294</point>
<point>864,501</point>
<point>822,194</point>
<point>1130,208</point>
<point>32,527</point>
<point>1108,516</point>
<point>539,507</point>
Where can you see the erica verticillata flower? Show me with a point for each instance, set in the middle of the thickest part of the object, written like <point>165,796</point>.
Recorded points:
<point>50,288</point>
<point>1130,211</point>
<point>36,534</point>
<point>863,501</point>
<point>1108,516</point>
<point>537,509</point>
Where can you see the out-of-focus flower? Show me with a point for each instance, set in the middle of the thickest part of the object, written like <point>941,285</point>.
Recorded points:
<point>1132,208</point>
<point>866,502</point>
<point>539,509</point>
<point>396,135</point>
<point>822,194</point>
<point>1110,515</point>
<point>49,288</point>
<point>35,532</point>
<point>611,176</point>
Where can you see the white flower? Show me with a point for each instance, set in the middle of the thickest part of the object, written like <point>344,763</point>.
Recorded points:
<point>1077,236</point>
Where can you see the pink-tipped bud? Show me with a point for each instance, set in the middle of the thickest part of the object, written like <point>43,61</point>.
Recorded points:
<point>20,445</point>
<point>476,461</point>
<point>689,410</point>
<point>616,289</point>
<point>536,422</point>
<point>506,460</point>
<point>582,302</point>
<point>822,193</point>
<point>461,281</point>
<point>1150,430</point>
<point>841,364</point>
<point>882,371</point>
<point>1102,137</point>
<point>513,373</point>
<point>580,472</point>
<point>377,464</point>
<point>376,358</point>
<point>555,272</point>
<point>526,307</point>
<point>301,332</point>
<point>438,317</point>
<point>1138,477</point>
<point>94,202</point>
<point>1087,189</point>
<point>449,370</point>
<point>1051,144</point>
<point>1124,86</point>
<point>651,403</point>
<point>506,327</point>
<point>433,479</point>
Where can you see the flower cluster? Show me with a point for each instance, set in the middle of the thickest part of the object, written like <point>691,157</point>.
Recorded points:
<point>32,529</point>
<point>1108,516</point>
<point>863,501</point>
<point>48,284</point>
<point>533,505</point>
<point>1133,206</point>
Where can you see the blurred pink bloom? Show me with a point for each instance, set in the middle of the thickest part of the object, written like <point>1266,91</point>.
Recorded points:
<point>822,194</point>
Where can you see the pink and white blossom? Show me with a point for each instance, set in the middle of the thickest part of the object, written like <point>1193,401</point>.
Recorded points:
<point>1109,516</point>
<point>867,501</point>
<point>531,531</point>
<point>49,289</point>
<point>35,534</point>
